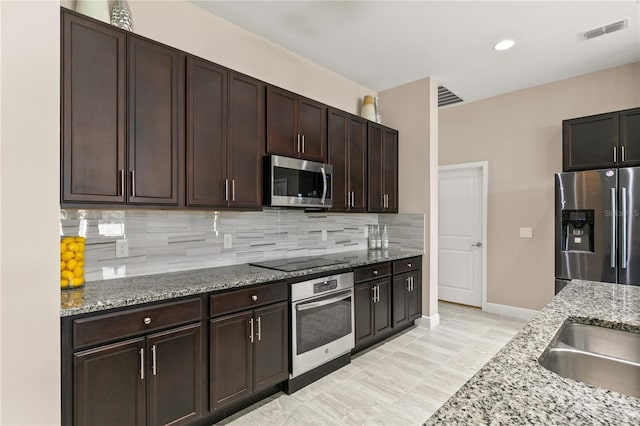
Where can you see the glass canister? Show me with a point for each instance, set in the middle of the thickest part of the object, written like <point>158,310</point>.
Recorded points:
<point>71,262</point>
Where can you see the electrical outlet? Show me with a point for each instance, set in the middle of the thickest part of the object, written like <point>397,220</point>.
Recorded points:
<point>324,235</point>
<point>122,248</point>
<point>526,233</point>
<point>228,241</point>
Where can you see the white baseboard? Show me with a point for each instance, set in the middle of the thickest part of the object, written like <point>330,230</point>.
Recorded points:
<point>510,311</point>
<point>429,322</point>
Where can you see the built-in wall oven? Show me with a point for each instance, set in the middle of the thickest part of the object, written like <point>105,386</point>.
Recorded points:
<point>322,318</point>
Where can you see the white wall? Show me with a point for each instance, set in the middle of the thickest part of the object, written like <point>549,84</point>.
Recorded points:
<point>520,134</point>
<point>412,109</point>
<point>29,176</point>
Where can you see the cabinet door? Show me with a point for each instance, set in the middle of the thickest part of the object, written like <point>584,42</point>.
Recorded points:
<point>246,140</point>
<point>109,385</point>
<point>400,294</point>
<point>206,144</point>
<point>338,157</point>
<point>357,166</point>
<point>382,306</point>
<point>590,142</point>
<point>414,297</point>
<point>230,366</point>
<point>271,346</point>
<point>375,180</point>
<point>175,376</point>
<point>390,169</point>
<point>630,137</point>
<point>155,82</point>
<point>282,124</point>
<point>93,108</point>
<point>312,118</point>
<point>363,306</point>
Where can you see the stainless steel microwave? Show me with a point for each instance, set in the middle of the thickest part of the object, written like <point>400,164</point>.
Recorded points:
<point>291,182</point>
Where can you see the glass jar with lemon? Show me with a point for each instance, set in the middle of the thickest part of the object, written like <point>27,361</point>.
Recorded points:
<point>71,262</point>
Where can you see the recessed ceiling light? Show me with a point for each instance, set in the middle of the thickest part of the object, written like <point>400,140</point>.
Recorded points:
<point>504,45</point>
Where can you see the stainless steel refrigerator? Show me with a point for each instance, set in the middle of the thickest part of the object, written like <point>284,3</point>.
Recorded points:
<point>598,226</point>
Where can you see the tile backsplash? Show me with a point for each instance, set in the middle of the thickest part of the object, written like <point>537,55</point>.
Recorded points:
<point>169,241</point>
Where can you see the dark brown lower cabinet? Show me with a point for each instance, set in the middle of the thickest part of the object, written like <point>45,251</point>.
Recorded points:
<point>153,380</point>
<point>109,386</point>
<point>372,302</point>
<point>248,353</point>
<point>407,303</point>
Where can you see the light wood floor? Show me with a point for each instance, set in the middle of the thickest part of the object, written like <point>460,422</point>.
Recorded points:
<point>399,382</point>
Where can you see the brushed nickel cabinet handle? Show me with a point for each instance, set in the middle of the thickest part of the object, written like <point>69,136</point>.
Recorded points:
<point>375,272</point>
<point>254,297</point>
<point>122,179</point>
<point>251,332</point>
<point>153,359</point>
<point>233,190</point>
<point>147,320</point>
<point>303,144</point>
<point>259,330</point>
<point>623,155</point>
<point>133,183</point>
<point>615,154</point>
<point>226,189</point>
<point>298,142</point>
<point>408,265</point>
<point>141,352</point>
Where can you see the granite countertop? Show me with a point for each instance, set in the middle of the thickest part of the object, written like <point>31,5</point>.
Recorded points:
<point>513,388</point>
<point>101,295</point>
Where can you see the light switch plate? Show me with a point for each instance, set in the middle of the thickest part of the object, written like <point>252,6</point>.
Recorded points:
<point>526,233</point>
<point>228,241</point>
<point>122,248</point>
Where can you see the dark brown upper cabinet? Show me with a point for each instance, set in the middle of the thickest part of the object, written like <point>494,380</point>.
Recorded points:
<point>296,126</point>
<point>601,141</point>
<point>383,169</point>
<point>347,143</point>
<point>122,116</point>
<point>93,111</point>
<point>225,137</point>
<point>156,87</point>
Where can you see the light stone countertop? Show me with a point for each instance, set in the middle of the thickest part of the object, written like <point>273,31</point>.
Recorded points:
<point>107,294</point>
<point>514,389</point>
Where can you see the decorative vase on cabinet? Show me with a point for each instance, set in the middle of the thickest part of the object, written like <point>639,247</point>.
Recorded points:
<point>368,109</point>
<point>97,9</point>
<point>121,15</point>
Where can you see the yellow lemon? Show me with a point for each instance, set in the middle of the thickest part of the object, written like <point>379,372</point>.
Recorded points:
<point>66,255</point>
<point>64,283</point>
<point>71,264</point>
<point>77,282</point>
<point>79,239</point>
<point>67,275</point>
<point>72,247</point>
<point>63,265</point>
<point>79,255</point>
<point>63,247</point>
<point>78,272</point>
<point>81,263</point>
<point>68,240</point>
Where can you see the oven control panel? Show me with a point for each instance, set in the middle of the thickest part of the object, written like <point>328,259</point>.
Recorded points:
<point>325,286</point>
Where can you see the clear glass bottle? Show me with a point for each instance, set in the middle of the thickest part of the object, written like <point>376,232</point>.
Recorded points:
<point>385,237</point>
<point>371,242</point>
<point>377,234</point>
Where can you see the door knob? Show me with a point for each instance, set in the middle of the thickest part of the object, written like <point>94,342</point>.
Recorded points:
<point>478,244</point>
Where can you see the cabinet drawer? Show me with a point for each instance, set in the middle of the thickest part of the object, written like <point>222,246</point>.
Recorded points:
<point>374,271</point>
<point>248,298</point>
<point>404,265</point>
<point>119,325</point>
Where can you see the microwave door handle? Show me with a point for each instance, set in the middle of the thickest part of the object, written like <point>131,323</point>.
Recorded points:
<point>324,185</point>
<point>311,305</point>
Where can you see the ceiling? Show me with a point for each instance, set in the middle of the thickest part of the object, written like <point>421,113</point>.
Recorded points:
<point>384,44</point>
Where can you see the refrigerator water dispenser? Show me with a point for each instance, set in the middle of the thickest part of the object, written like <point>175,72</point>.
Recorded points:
<point>577,230</point>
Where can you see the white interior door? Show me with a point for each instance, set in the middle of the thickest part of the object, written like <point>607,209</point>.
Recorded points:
<point>462,198</point>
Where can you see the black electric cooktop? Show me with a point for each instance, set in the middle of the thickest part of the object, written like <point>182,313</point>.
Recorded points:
<point>298,263</point>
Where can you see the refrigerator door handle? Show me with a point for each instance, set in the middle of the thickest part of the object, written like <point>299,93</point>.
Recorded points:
<point>623,247</point>
<point>614,215</point>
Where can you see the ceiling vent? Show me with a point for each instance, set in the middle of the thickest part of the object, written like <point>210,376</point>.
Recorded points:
<point>606,29</point>
<point>447,97</point>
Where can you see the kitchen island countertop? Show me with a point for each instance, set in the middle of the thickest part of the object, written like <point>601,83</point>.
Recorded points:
<point>513,388</point>
<point>121,292</point>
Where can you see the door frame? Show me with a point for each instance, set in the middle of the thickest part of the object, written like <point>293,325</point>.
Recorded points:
<point>483,166</point>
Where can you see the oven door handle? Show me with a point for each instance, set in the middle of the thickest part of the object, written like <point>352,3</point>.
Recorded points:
<point>311,305</point>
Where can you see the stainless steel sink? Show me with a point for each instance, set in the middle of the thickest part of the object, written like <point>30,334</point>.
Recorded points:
<point>596,355</point>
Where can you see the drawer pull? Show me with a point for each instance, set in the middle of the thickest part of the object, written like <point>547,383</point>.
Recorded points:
<point>408,265</point>
<point>254,298</point>
<point>147,320</point>
<point>375,272</point>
